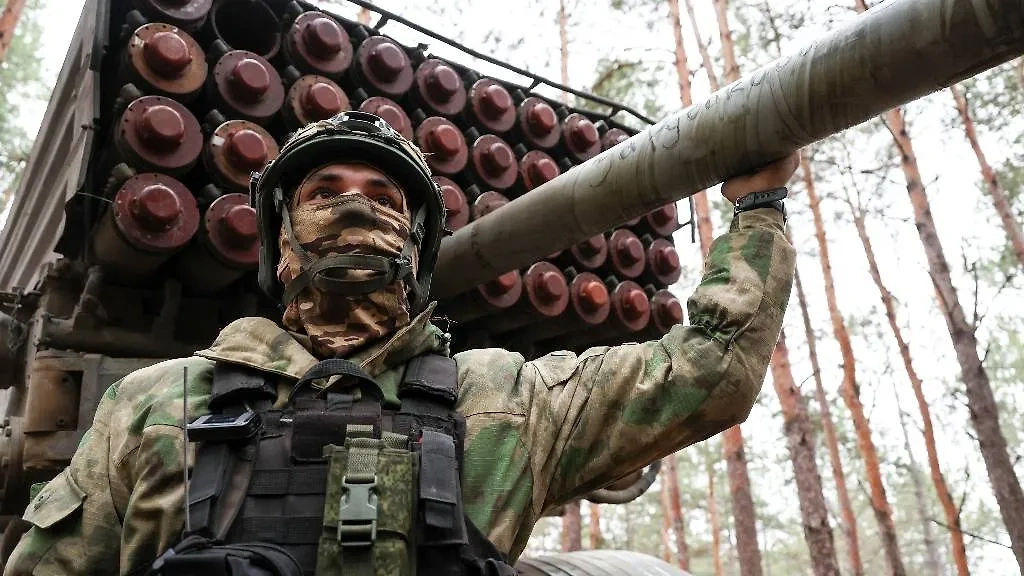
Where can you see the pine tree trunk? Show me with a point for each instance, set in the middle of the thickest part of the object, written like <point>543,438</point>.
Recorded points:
<point>364,16</point>
<point>851,392</point>
<point>674,510</point>
<point>800,437</point>
<point>563,38</point>
<point>701,206</point>
<point>932,553</point>
<point>732,67</point>
<point>941,489</point>
<point>702,46</point>
<point>8,22</point>
<point>666,525</point>
<point>995,190</point>
<point>572,529</point>
<point>744,515</point>
<point>831,443</point>
<point>596,537</point>
<point>980,399</point>
<point>716,539</point>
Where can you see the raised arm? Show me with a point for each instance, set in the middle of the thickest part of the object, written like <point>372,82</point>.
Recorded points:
<point>613,410</point>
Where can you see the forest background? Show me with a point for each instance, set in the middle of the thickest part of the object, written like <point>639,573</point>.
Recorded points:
<point>630,50</point>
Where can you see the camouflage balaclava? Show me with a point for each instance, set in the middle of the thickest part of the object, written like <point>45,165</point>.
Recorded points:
<point>339,324</point>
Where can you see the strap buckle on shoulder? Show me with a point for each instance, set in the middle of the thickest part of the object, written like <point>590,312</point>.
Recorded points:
<point>358,514</point>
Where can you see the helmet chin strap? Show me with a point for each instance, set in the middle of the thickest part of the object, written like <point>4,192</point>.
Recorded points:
<point>330,273</point>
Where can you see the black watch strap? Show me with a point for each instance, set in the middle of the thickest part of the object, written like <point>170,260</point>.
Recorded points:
<point>767,199</point>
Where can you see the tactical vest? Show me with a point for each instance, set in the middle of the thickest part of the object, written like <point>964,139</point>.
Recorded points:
<point>331,484</point>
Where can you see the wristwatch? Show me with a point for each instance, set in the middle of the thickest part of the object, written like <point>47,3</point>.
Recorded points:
<point>767,199</point>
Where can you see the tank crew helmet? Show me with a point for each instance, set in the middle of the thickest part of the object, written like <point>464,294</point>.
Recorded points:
<point>348,137</point>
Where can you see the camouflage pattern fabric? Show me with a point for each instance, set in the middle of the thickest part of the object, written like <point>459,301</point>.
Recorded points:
<point>353,223</point>
<point>538,433</point>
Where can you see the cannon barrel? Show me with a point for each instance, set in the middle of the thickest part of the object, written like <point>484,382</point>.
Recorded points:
<point>895,53</point>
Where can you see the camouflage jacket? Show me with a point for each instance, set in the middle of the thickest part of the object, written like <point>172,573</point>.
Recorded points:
<point>539,433</point>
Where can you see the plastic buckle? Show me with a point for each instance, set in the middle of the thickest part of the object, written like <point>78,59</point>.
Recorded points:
<point>357,520</point>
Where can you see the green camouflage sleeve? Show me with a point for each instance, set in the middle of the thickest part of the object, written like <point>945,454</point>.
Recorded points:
<point>120,503</point>
<point>75,525</point>
<point>598,417</point>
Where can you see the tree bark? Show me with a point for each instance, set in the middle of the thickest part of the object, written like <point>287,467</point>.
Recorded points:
<point>800,437</point>
<point>950,509</point>
<point>705,56</point>
<point>981,401</point>
<point>851,391</point>
<point>744,515</point>
<point>716,541</point>
<point>995,189</point>
<point>8,22</point>
<point>596,537</point>
<point>701,206</point>
<point>364,16</point>
<point>932,553</point>
<point>732,67</point>
<point>563,38</point>
<point>849,526</point>
<point>667,553</point>
<point>674,510</point>
<point>572,530</point>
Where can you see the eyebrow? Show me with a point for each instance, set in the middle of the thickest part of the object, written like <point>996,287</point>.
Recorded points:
<point>328,177</point>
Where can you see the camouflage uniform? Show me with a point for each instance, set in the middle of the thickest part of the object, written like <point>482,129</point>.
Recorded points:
<point>539,432</point>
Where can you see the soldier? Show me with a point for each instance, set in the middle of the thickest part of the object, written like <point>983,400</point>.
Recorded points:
<point>347,437</point>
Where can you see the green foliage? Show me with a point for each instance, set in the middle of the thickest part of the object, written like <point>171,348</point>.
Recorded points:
<point>21,83</point>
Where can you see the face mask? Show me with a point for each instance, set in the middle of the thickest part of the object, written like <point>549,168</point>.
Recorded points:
<point>338,324</point>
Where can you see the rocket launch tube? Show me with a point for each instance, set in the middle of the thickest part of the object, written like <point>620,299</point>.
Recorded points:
<point>897,52</point>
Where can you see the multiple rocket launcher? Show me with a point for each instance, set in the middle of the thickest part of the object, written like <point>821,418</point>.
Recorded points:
<point>206,92</point>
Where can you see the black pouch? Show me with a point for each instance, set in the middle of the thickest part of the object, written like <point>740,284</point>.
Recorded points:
<point>197,555</point>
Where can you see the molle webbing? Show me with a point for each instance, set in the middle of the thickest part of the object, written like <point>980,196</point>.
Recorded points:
<point>337,482</point>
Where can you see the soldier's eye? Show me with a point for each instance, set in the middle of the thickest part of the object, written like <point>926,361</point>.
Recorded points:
<point>385,202</point>
<point>324,193</point>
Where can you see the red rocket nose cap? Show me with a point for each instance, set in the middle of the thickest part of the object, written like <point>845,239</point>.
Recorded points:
<point>322,101</point>
<point>250,78</point>
<point>156,208</point>
<point>498,158</point>
<point>496,101</point>
<point>592,246</point>
<point>323,37</point>
<point>550,286</point>
<point>240,225</point>
<point>664,215</point>
<point>387,61</point>
<point>543,170</point>
<point>504,283</point>
<point>167,53</point>
<point>248,149</point>
<point>443,82</point>
<point>635,304</point>
<point>161,127</point>
<point>593,295</point>
<point>542,118</point>
<point>670,312</point>
<point>584,134</point>
<point>444,141</point>
<point>629,250</point>
<point>666,260</point>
